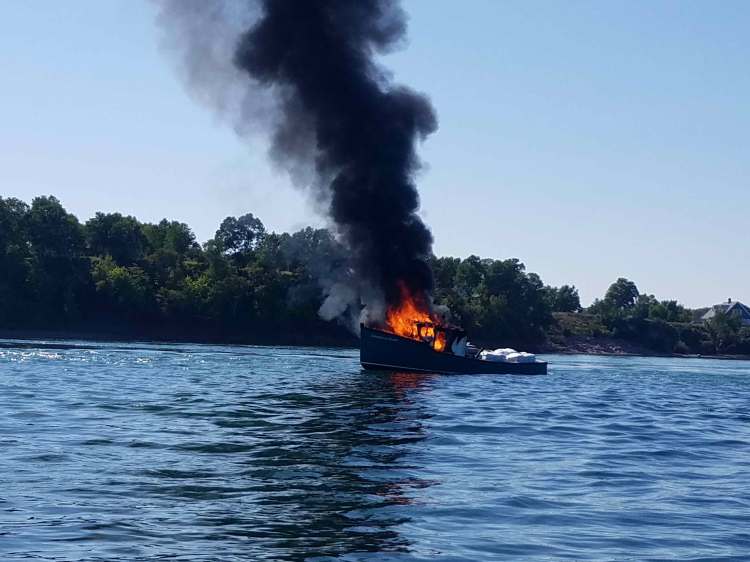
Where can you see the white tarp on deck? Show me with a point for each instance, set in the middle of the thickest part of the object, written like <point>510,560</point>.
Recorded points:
<point>507,355</point>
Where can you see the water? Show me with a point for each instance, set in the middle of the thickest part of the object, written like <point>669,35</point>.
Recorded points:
<point>187,452</point>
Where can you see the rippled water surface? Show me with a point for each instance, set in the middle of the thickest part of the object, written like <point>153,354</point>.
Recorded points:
<point>188,452</point>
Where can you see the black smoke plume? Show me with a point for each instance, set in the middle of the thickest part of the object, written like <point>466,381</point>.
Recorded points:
<point>305,72</point>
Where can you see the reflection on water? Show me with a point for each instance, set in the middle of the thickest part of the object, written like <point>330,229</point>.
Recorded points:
<point>325,478</point>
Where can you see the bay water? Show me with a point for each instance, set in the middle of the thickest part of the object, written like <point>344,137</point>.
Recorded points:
<point>195,452</point>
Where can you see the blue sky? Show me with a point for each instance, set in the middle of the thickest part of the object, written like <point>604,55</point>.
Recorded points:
<point>589,139</point>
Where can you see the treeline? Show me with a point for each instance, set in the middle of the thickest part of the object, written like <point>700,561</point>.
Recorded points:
<point>666,326</point>
<point>116,275</point>
<point>498,301</point>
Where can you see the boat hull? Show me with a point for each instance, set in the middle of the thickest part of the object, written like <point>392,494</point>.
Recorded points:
<point>384,351</point>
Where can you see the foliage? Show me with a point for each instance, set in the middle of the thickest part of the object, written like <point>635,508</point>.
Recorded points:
<point>113,235</point>
<point>666,325</point>
<point>124,291</point>
<point>579,324</point>
<point>724,330</point>
<point>116,273</point>
<point>58,277</point>
<point>743,341</point>
<point>15,257</point>
<point>564,299</point>
<point>240,235</point>
<point>622,294</point>
<point>496,300</point>
<point>655,334</point>
<point>668,311</point>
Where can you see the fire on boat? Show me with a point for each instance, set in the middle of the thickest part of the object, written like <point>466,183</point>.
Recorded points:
<point>414,339</point>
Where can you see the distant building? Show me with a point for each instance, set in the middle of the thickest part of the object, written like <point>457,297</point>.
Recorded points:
<point>735,308</point>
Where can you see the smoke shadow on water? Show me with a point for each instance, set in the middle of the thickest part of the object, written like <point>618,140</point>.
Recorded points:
<point>319,472</point>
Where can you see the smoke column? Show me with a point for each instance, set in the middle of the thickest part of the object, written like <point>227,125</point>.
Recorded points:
<point>304,73</point>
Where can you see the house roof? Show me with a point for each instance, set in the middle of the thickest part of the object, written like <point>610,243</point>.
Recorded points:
<point>729,307</point>
<point>739,308</point>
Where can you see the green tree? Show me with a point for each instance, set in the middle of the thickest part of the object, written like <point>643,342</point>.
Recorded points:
<point>499,301</point>
<point>669,311</point>
<point>469,276</point>
<point>173,254</point>
<point>724,330</point>
<point>126,291</point>
<point>15,264</point>
<point>240,235</point>
<point>170,236</point>
<point>117,236</point>
<point>444,271</point>
<point>622,294</point>
<point>59,274</point>
<point>564,299</point>
<point>644,306</point>
<point>52,230</point>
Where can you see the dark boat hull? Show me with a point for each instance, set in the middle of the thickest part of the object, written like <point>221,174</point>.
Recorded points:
<point>384,351</point>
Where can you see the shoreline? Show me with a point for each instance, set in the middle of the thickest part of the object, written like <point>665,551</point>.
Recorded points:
<point>613,347</point>
<point>603,347</point>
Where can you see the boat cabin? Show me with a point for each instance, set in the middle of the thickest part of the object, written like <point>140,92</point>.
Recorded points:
<point>443,338</point>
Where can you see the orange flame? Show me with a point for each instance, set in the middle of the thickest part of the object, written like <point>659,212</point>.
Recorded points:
<point>403,320</point>
<point>439,343</point>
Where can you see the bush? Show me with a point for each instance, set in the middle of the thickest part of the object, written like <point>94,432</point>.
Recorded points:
<point>693,336</point>
<point>654,334</point>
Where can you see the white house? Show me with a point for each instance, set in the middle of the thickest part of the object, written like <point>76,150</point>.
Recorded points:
<point>735,308</point>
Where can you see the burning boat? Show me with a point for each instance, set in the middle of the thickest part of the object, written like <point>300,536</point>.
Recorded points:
<point>414,340</point>
<point>332,111</point>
